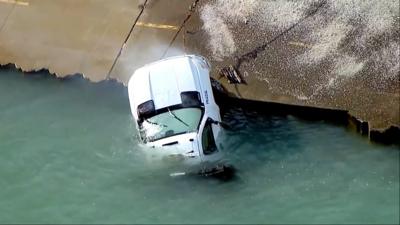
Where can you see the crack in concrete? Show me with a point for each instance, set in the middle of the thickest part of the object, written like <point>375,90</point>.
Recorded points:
<point>142,6</point>
<point>191,10</point>
<point>6,19</point>
<point>254,53</point>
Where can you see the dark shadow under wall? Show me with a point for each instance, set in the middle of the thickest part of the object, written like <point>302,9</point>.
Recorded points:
<point>342,117</point>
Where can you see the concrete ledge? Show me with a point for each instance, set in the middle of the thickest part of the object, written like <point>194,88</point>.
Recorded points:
<point>388,136</point>
<point>361,127</point>
<point>341,117</point>
<point>337,116</point>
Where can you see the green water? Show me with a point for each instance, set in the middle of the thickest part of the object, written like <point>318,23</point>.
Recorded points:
<point>68,154</point>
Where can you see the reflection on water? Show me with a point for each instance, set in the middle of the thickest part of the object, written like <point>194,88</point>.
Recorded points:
<point>69,154</point>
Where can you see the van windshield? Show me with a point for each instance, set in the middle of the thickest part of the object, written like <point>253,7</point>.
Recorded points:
<point>170,123</point>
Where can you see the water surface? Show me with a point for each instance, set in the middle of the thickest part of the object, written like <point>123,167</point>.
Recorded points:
<point>69,154</point>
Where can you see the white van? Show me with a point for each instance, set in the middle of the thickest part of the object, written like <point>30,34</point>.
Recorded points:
<point>176,115</point>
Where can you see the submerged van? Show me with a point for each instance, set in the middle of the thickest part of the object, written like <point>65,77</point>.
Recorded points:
<point>176,115</point>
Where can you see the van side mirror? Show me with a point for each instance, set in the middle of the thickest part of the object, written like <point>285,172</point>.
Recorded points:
<point>222,124</point>
<point>210,120</point>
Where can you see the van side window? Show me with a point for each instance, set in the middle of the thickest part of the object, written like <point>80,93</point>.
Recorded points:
<point>207,140</point>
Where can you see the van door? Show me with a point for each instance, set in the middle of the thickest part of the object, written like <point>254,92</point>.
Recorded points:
<point>207,139</point>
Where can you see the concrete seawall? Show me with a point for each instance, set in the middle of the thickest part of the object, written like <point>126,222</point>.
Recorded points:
<point>110,39</point>
<point>88,37</point>
<point>224,100</point>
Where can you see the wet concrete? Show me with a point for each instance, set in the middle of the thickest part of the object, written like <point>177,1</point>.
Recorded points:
<point>66,37</point>
<point>86,37</point>
<point>149,43</point>
<point>268,60</point>
<point>110,39</point>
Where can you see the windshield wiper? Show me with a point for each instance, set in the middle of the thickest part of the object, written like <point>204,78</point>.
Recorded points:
<point>176,117</point>
<point>154,123</point>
